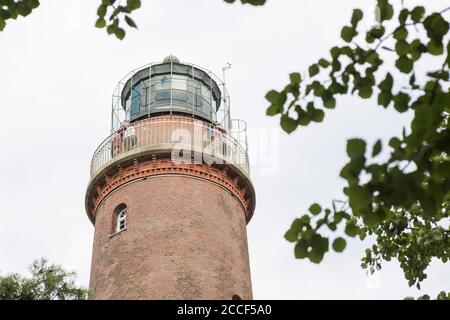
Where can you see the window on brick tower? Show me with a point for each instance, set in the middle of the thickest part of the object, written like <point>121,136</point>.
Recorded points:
<point>119,217</point>
<point>121,220</point>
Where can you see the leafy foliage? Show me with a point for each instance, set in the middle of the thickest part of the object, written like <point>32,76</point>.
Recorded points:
<point>47,282</point>
<point>252,2</point>
<point>403,201</point>
<point>11,9</point>
<point>110,13</point>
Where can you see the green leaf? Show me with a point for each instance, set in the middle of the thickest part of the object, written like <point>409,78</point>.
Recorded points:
<point>401,33</point>
<point>100,23</point>
<point>385,11</point>
<point>370,220</point>
<point>120,33</point>
<point>324,63</point>
<point>436,27</point>
<point>295,78</point>
<point>402,47</point>
<point>32,4</point>
<point>404,14</point>
<point>252,2</point>
<point>434,48</point>
<point>130,22</point>
<point>348,33</point>
<point>291,235</point>
<point>387,83</point>
<point>376,148</point>
<point>313,70</point>
<point>273,110</point>
<point>339,244</point>
<point>22,9</point>
<point>384,98</point>
<point>317,115</point>
<point>272,96</point>
<point>351,229</point>
<point>356,148</point>
<point>404,64</point>
<point>111,29</point>
<point>441,75</point>
<point>359,196</point>
<point>315,209</point>
<point>101,11</point>
<point>365,91</point>
<point>356,17</point>
<point>417,13</point>
<point>328,100</point>
<point>288,124</point>
<point>301,249</point>
<point>315,256</point>
<point>376,32</point>
<point>2,24</point>
<point>133,4</point>
<point>401,102</point>
<point>448,53</point>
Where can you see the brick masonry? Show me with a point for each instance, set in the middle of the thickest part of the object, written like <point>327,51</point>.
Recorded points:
<point>185,239</point>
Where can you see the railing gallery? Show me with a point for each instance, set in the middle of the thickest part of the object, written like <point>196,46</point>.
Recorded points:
<point>172,133</point>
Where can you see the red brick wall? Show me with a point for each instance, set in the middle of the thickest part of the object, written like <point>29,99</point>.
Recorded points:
<point>185,239</point>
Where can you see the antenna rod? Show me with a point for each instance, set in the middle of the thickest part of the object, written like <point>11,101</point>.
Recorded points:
<point>228,66</point>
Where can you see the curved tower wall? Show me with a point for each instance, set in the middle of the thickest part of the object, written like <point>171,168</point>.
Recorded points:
<point>185,239</point>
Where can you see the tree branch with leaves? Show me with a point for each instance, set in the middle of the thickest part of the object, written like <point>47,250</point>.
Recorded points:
<point>402,202</point>
<point>111,14</point>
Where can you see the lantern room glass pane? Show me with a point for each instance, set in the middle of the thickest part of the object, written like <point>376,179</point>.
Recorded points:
<point>135,99</point>
<point>162,82</point>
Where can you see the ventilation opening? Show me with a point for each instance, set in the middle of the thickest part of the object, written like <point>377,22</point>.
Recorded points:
<point>236,297</point>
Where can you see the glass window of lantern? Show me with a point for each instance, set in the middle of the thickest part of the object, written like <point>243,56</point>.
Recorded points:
<point>180,96</point>
<point>162,82</point>
<point>206,108</point>
<point>135,99</point>
<point>179,83</point>
<point>145,94</point>
<point>162,95</point>
<point>206,93</point>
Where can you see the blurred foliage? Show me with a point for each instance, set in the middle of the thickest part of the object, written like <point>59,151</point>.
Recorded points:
<point>403,201</point>
<point>111,14</point>
<point>47,282</point>
<point>11,9</point>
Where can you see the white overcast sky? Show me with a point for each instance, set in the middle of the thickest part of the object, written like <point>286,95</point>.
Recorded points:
<point>57,73</point>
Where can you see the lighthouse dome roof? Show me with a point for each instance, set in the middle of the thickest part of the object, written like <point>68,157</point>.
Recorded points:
<point>171,58</point>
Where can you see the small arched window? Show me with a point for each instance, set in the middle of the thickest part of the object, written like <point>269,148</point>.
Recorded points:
<point>121,220</point>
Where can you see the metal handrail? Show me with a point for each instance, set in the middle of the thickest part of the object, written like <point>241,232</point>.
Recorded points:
<point>171,132</point>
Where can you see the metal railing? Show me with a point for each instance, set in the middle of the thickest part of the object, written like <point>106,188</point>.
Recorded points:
<point>172,133</point>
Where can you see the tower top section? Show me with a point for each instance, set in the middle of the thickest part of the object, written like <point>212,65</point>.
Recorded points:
<point>171,58</point>
<point>170,87</point>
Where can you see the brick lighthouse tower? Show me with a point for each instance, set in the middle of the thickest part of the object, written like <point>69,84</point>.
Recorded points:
<point>170,193</point>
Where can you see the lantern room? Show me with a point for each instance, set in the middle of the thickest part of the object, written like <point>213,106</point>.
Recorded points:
<point>172,87</point>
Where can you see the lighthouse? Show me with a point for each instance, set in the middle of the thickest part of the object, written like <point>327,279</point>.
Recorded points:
<point>170,193</point>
